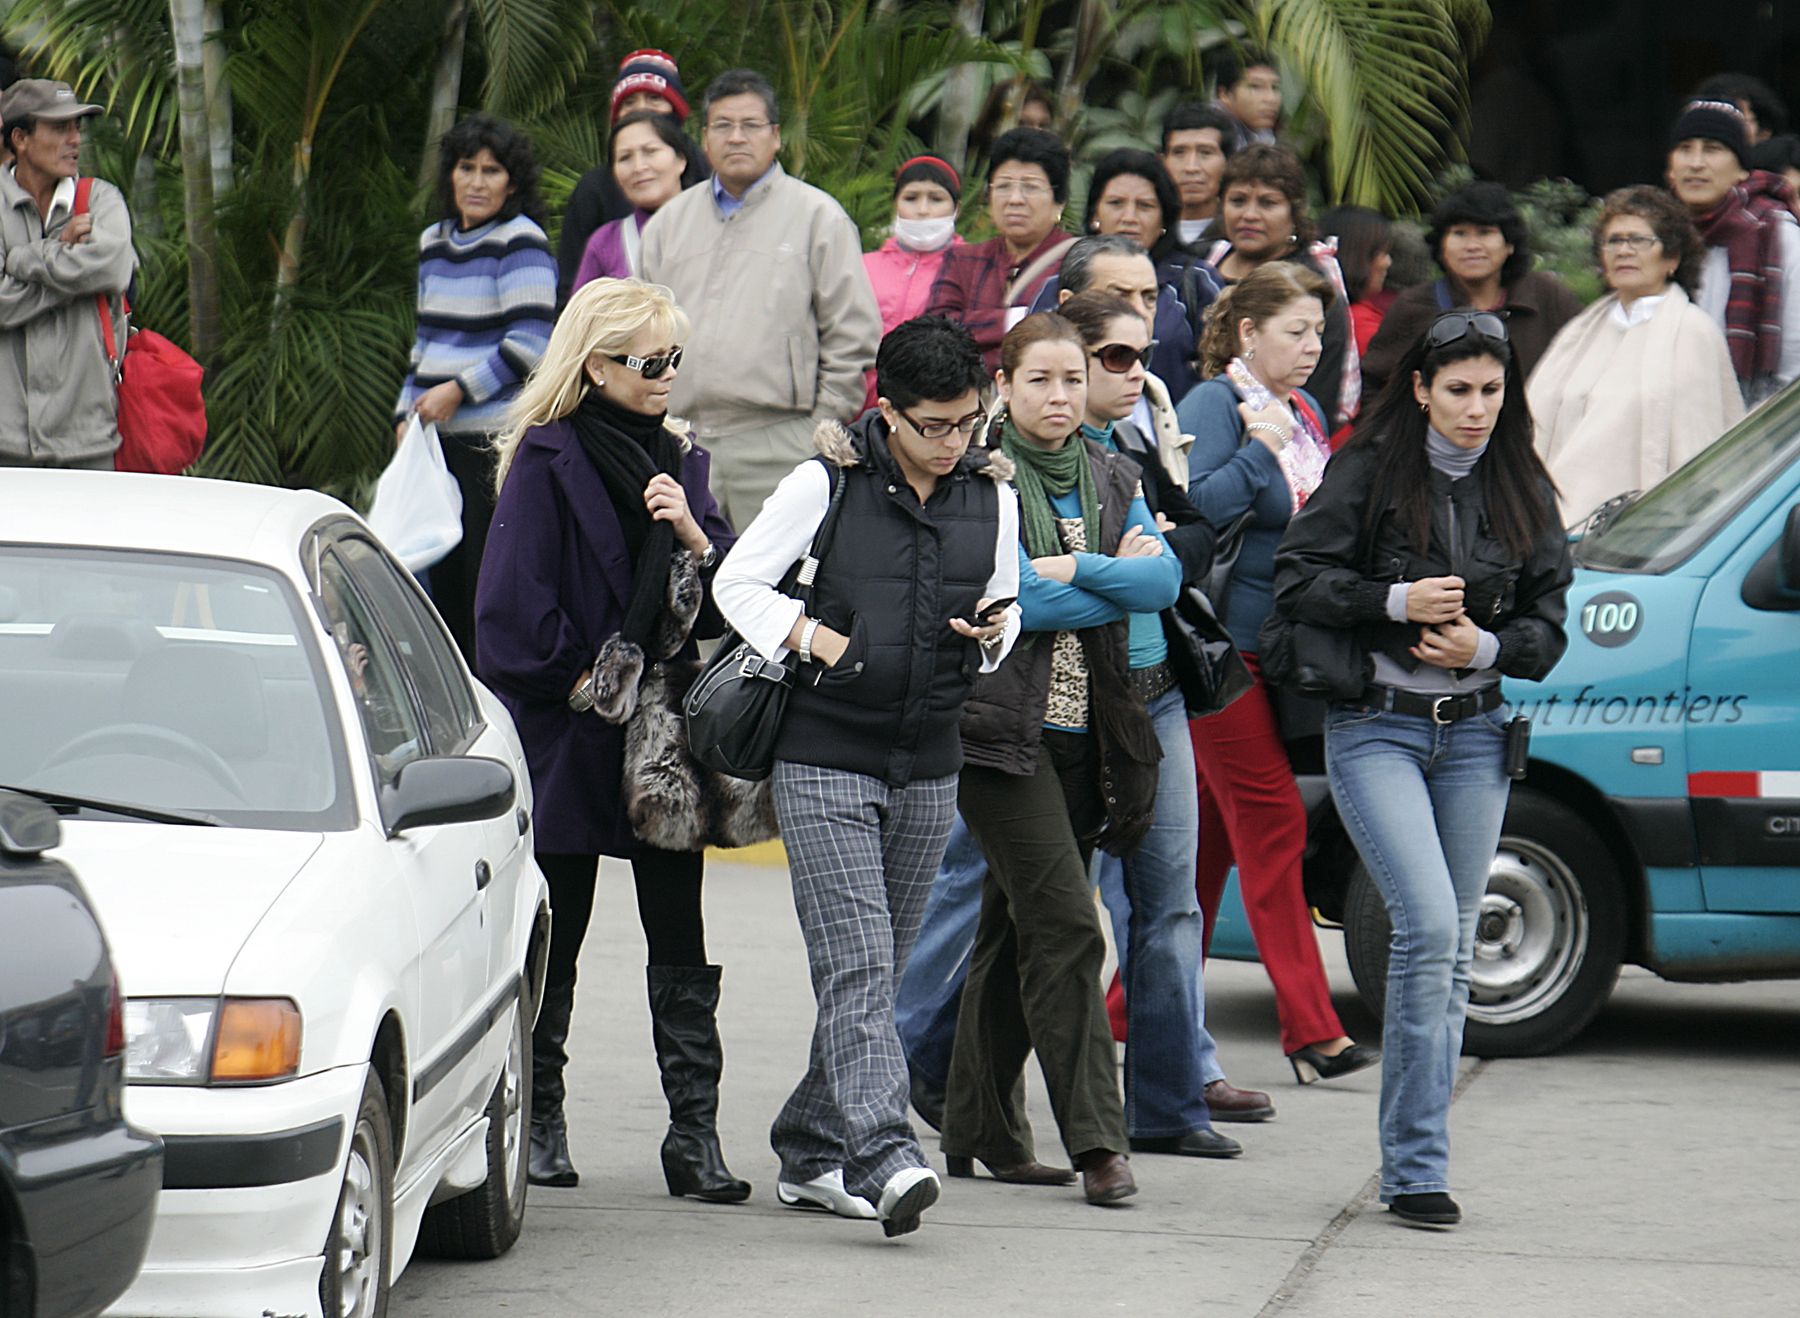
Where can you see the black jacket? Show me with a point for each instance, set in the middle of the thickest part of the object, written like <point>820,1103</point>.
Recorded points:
<point>893,575</point>
<point>1333,571</point>
<point>1194,538</point>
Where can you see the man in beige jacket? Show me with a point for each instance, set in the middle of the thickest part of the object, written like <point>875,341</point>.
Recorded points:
<point>770,272</point>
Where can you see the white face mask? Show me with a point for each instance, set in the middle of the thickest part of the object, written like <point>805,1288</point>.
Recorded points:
<point>925,235</point>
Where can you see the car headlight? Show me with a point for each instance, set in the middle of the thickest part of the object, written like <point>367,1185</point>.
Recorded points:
<point>198,1041</point>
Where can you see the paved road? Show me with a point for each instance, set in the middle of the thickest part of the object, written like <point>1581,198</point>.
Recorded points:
<point>1652,1169</point>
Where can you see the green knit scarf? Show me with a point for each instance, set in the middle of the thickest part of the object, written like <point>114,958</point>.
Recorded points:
<point>1040,475</point>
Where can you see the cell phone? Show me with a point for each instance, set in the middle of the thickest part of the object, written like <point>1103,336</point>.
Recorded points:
<point>990,613</point>
<point>1518,746</point>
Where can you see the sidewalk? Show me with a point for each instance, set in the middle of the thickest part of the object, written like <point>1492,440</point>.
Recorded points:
<point>1654,1169</point>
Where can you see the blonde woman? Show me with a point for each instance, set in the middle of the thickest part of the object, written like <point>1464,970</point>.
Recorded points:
<point>601,555</point>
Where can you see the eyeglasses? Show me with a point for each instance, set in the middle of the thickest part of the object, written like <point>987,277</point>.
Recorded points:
<point>967,425</point>
<point>652,368</point>
<point>1026,188</point>
<point>729,127</point>
<point>1634,242</point>
<point>1453,325</point>
<point>1117,357</point>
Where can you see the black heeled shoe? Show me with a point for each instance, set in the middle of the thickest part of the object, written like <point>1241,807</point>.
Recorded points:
<point>1311,1065</point>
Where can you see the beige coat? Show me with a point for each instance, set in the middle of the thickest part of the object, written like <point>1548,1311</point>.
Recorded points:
<point>1617,409</point>
<point>784,320</point>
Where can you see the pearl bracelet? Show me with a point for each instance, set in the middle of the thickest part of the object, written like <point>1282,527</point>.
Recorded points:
<point>1282,436</point>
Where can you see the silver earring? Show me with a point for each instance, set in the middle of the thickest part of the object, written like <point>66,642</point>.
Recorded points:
<point>1249,354</point>
<point>1425,408</point>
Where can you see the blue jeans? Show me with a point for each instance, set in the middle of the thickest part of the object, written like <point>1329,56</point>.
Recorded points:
<point>931,990</point>
<point>1423,802</point>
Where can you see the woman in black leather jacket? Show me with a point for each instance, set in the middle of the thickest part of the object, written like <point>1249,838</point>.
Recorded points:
<point>1429,562</point>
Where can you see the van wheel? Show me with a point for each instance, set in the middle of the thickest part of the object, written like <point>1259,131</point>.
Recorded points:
<point>1548,939</point>
<point>483,1223</point>
<point>359,1249</point>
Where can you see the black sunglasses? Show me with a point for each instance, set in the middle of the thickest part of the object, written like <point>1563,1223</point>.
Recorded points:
<point>652,368</point>
<point>1453,325</point>
<point>967,425</point>
<point>1117,357</point>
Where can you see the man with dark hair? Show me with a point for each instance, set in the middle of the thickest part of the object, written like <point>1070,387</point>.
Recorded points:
<point>988,287</point>
<point>869,753</point>
<point>1247,84</point>
<point>1764,112</point>
<point>770,271</point>
<point>1197,139</point>
<point>58,401</point>
<point>1750,279</point>
<point>648,81</point>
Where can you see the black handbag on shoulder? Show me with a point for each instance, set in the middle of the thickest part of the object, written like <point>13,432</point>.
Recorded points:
<point>735,706</point>
<point>1208,668</point>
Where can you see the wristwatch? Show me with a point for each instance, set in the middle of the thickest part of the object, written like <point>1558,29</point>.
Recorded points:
<point>581,699</point>
<point>806,640</point>
<point>707,559</point>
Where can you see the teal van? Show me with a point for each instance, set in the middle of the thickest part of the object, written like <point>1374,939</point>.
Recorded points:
<point>1659,822</point>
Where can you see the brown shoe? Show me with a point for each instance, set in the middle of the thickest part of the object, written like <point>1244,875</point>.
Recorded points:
<point>1226,1102</point>
<point>1024,1173</point>
<point>1106,1177</point>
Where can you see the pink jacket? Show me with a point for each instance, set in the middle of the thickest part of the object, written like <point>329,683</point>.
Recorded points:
<point>902,281</point>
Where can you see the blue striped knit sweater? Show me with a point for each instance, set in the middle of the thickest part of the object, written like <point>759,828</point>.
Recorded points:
<point>487,300</point>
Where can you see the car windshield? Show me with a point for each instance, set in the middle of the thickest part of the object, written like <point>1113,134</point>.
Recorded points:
<point>1665,527</point>
<point>163,682</point>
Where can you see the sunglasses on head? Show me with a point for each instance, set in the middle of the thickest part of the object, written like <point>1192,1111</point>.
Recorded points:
<point>1453,325</point>
<point>652,368</point>
<point>1117,357</point>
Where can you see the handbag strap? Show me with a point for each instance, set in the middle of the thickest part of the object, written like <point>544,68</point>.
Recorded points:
<point>1040,266</point>
<point>84,192</point>
<point>806,572</point>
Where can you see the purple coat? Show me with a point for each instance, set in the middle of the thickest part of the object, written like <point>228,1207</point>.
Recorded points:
<point>555,580</point>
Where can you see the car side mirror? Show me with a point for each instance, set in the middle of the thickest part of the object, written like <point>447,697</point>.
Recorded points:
<point>447,789</point>
<point>28,827</point>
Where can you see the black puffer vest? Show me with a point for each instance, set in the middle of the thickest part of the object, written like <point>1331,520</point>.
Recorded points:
<point>1003,723</point>
<point>892,577</point>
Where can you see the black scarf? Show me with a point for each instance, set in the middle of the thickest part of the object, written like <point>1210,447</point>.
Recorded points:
<point>629,448</point>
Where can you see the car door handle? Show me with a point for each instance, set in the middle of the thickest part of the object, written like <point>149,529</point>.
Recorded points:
<point>484,874</point>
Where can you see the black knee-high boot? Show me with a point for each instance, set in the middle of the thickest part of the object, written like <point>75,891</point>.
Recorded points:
<point>684,1003</point>
<point>548,1163</point>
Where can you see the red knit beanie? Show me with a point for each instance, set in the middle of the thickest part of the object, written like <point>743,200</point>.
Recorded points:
<point>650,71</point>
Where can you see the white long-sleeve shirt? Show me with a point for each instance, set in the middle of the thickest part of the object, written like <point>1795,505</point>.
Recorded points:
<point>746,588</point>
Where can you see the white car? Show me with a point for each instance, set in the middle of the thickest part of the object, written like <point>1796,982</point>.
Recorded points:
<point>307,831</point>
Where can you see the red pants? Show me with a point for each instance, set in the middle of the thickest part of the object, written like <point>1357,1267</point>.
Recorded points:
<point>1250,809</point>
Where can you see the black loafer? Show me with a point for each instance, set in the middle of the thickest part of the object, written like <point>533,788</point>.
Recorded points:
<point>1194,1144</point>
<point>1434,1212</point>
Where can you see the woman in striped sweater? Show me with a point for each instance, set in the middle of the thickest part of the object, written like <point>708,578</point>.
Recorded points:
<point>487,300</point>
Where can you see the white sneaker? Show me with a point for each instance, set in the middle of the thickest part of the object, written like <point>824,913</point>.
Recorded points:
<point>907,1194</point>
<point>826,1192</point>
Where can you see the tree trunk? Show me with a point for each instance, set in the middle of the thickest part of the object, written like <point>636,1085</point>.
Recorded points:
<point>187,23</point>
<point>446,89</point>
<point>957,114</point>
<point>218,100</point>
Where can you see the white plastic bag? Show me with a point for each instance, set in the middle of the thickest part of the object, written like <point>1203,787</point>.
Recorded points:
<point>418,506</point>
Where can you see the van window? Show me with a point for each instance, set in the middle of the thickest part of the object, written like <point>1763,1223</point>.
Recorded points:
<point>1667,526</point>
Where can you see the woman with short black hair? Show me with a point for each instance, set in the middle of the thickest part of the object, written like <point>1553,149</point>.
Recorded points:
<point>1428,563</point>
<point>1482,246</point>
<point>487,300</point>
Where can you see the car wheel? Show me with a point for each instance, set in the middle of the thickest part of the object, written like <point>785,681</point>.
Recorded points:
<point>359,1250</point>
<point>1548,939</point>
<point>484,1222</point>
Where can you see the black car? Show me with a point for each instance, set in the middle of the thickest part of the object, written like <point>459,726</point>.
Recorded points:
<point>78,1184</point>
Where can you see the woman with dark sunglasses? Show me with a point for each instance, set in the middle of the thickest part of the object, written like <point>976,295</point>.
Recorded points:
<point>1429,562</point>
<point>1259,450</point>
<point>595,584</point>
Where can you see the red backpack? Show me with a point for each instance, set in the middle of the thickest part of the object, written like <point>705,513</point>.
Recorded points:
<point>162,416</point>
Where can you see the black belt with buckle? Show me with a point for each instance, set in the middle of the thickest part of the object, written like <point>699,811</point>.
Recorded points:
<point>1154,681</point>
<point>1439,709</point>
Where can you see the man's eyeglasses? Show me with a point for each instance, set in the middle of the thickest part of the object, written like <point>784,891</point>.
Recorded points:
<point>1632,242</point>
<point>1117,357</point>
<point>652,368</point>
<point>729,127</point>
<point>1453,325</point>
<point>967,425</point>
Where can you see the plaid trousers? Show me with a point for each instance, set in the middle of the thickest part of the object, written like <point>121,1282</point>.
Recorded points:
<point>862,856</point>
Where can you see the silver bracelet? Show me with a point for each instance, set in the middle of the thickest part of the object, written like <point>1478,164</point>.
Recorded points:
<point>1269,427</point>
<point>707,559</point>
<point>806,640</point>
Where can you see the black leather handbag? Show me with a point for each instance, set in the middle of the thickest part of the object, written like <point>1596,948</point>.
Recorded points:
<point>1208,668</point>
<point>735,706</point>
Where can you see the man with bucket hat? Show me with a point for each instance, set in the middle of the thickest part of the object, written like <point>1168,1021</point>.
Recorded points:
<point>58,394</point>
